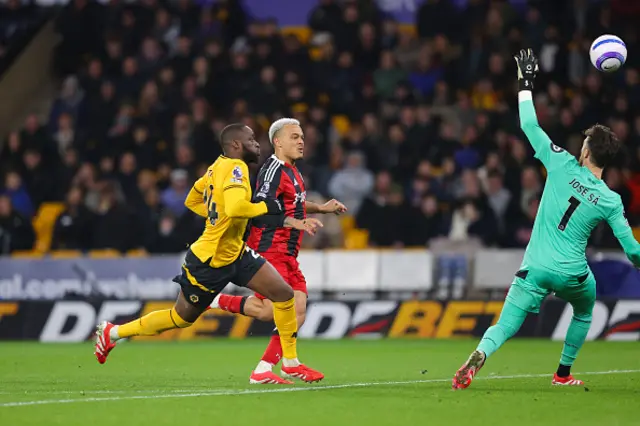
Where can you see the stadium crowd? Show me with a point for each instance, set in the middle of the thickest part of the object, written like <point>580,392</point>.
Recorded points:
<point>433,147</point>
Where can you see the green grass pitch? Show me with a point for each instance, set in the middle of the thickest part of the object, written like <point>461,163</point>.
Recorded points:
<point>368,383</point>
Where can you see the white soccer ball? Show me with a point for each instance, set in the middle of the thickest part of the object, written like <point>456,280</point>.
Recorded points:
<point>608,53</point>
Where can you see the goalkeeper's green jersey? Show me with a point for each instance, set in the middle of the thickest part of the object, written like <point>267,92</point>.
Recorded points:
<point>573,203</point>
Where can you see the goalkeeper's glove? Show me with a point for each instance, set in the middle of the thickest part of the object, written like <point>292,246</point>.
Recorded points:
<point>527,69</point>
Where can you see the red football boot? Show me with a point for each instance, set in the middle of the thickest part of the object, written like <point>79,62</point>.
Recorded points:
<point>104,345</point>
<point>301,372</point>
<point>467,372</point>
<point>566,381</point>
<point>267,378</point>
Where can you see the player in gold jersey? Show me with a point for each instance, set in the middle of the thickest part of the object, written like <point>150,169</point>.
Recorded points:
<point>220,256</point>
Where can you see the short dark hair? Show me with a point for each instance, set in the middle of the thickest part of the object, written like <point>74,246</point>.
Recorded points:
<point>229,133</point>
<point>603,144</point>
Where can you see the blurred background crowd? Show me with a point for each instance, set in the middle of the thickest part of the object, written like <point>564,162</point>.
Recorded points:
<point>414,128</point>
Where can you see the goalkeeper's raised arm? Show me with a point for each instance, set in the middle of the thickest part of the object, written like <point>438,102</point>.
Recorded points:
<point>551,155</point>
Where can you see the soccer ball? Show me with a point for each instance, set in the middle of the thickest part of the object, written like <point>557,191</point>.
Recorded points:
<point>608,53</point>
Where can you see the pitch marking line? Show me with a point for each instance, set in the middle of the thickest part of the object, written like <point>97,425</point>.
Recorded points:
<point>282,390</point>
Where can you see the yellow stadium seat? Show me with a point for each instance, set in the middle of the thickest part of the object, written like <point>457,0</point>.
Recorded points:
<point>356,239</point>
<point>65,254</point>
<point>348,223</point>
<point>408,28</point>
<point>636,233</point>
<point>26,254</point>
<point>43,224</point>
<point>341,123</point>
<point>137,253</point>
<point>104,254</point>
<point>303,33</point>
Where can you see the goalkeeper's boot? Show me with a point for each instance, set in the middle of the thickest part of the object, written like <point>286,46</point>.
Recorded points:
<point>566,381</point>
<point>464,376</point>
<point>104,344</point>
<point>267,378</point>
<point>301,372</point>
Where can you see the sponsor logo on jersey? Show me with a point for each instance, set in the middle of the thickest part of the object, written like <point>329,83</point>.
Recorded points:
<point>300,198</point>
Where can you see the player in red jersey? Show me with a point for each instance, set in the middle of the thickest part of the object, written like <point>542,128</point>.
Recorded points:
<point>278,238</point>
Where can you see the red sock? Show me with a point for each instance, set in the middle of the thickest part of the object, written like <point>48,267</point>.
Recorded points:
<point>233,304</point>
<point>273,353</point>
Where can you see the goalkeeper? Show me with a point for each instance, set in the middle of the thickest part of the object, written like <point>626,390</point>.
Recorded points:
<point>574,201</point>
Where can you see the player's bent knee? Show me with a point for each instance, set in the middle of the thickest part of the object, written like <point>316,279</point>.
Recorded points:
<point>265,314</point>
<point>281,293</point>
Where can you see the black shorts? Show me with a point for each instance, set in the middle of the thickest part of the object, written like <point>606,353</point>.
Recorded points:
<point>201,283</point>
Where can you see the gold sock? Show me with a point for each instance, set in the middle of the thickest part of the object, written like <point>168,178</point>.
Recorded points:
<point>153,323</point>
<point>284,315</point>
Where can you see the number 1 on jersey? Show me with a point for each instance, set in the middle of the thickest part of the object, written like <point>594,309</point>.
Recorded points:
<point>211,206</point>
<point>573,205</point>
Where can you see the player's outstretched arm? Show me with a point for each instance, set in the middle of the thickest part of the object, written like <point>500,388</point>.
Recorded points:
<point>620,226</point>
<point>236,186</point>
<point>195,201</point>
<point>332,206</point>
<point>550,155</point>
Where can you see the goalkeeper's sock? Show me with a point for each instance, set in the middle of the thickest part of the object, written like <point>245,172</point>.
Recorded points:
<point>564,370</point>
<point>149,325</point>
<point>511,319</point>
<point>233,304</point>
<point>284,315</point>
<point>576,335</point>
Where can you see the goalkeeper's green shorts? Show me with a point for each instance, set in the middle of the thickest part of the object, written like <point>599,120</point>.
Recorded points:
<point>532,285</point>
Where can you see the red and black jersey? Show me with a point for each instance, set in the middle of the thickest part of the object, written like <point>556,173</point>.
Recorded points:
<point>283,182</point>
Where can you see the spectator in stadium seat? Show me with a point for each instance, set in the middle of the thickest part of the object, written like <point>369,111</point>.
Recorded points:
<point>388,75</point>
<point>66,136</point>
<point>130,83</point>
<point>73,227</point>
<point>499,199</point>
<point>92,79</point>
<point>11,154</point>
<point>151,58</point>
<point>352,183</point>
<point>68,168</point>
<point>34,136</point>
<point>167,238</point>
<point>174,196</point>
<point>38,178</point>
<point>17,192</point>
<point>70,102</point>
<point>531,187</point>
<point>468,221</point>
<point>16,231</point>
<point>427,222</point>
<point>374,201</point>
<point>127,176</point>
<point>116,227</point>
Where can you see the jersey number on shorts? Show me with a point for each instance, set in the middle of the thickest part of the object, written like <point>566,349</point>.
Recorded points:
<point>573,205</point>
<point>212,214</point>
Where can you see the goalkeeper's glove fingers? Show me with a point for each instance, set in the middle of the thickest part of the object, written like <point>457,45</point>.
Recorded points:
<point>527,64</point>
